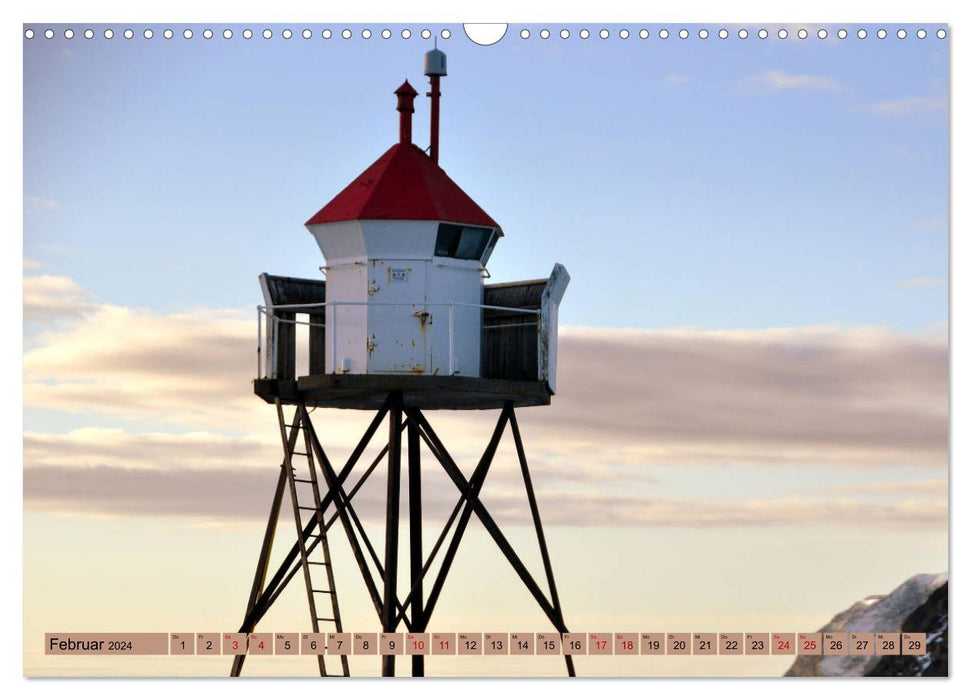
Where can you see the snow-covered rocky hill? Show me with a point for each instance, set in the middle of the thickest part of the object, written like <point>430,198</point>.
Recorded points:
<point>919,604</point>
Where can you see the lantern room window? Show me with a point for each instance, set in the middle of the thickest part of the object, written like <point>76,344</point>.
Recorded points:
<point>464,242</point>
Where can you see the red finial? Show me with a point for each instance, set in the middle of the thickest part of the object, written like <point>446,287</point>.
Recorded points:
<point>406,107</point>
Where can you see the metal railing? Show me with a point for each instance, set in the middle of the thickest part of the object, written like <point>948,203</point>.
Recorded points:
<point>273,322</point>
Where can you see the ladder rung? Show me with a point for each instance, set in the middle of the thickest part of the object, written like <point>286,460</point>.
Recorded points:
<point>319,563</point>
<point>307,507</point>
<point>304,481</point>
<point>326,619</point>
<point>320,590</point>
<point>302,454</point>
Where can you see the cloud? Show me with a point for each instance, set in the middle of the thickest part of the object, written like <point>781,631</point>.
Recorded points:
<point>923,283</point>
<point>783,80</point>
<point>677,79</point>
<point>791,396</point>
<point>87,448</point>
<point>49,297</point>
<point>30,264</point>
<point>909,105</point>
<point>40,202</point>
<point>211,495</point>
<point>629,403</point>
<point>811,396</point>
<point>934,487</point>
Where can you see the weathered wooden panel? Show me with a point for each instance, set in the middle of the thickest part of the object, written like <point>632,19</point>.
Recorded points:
<point>519,295</point>
<point>286,353</point>
<point>292,290</point>
<point>509,339</point>
<point>286,291</point>
<point>318,344</point>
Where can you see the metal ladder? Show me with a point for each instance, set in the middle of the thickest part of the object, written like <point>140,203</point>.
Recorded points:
<point>322,597</point>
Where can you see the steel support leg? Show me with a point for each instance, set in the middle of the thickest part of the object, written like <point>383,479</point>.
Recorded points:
<point>389,610</point>
<point>538,524</point>
<point>263,562</point>
<point>415,543</point>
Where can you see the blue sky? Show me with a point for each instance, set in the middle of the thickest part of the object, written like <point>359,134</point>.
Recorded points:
<point>706,183</point>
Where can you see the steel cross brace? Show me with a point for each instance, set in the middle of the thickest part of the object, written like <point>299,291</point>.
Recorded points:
<point>470,490</point>
<point>476,482</point>
<point>266,596</point>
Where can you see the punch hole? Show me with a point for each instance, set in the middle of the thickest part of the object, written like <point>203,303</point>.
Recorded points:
<point>743,33</point>
<point>822,34</point>
<point>405,33</point>
<point>841,33</point>
<point>89,34</point>
<point>881,34</point>
<point>604,34</point>
<point>109,33</point>
<point>306,33</point>
<point>227,34</point>
<point>584,33</point>
<point>49,34</point>
<point>488,34</point>
<point>446,33</point>
<point>326,34</point>
<point>901,33</point>
<point>346,34</point>
<point>524,34</point>
<point>564,33</point>
<point>802,33</point>
<point>247,33</point>
<point>187,34</point>
<point>702,33</point>
<point>68,33</point>
<point>207,34</point>
<point>129,34</point>
<point>663,33</point>
<point>29,34</point>
<point>861,34</point>
<point>643,34</point>
<point>763,34</point>
<point>941,34</point>
<point>287,34</point>
<point>426,34</point>
<point>683,34</point>
<point>624,33</point>
<point>722,33</point>
<point>366,34</point>
<point>267,34</point>
<point>921,34</point>
<point>148,34</point>
<point>385,33</point>
<point>783,34</point>
<point>168,34</point>
<point>544,34</point>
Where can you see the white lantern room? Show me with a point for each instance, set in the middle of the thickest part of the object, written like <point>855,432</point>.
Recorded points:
<point>405,252</point>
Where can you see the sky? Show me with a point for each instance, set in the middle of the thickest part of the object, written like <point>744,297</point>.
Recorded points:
<point>753,380</point>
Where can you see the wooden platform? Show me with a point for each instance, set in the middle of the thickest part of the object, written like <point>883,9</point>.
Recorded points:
<point>368,391</point>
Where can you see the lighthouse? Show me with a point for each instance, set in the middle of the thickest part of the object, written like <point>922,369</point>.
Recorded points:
<point>401,323</point>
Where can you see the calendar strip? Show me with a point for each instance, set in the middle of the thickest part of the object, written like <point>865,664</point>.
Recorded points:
<point>489,644</point>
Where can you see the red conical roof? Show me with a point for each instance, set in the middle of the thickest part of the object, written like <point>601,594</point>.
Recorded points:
<point>404,183</point>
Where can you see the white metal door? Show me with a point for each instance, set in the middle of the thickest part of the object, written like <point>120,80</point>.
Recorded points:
<point>398,317</point>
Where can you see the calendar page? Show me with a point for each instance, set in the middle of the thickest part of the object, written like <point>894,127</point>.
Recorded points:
<point>591,349</point>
